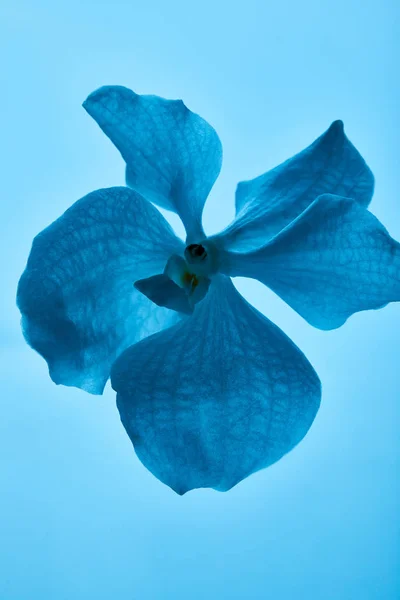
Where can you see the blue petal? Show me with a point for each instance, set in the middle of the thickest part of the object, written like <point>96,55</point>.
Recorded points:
<point>161,290</point>
<point>265,205</point>
<point>334,260</point>
<point>173,156</point>
<point>217,397</point>
<point>79,307</point>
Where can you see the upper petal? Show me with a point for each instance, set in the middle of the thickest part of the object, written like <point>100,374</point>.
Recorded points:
<point>217,397</point>
<point>76,296</point>
<point>265,205</point>
<point>334,260</point>
<point>173,156</point>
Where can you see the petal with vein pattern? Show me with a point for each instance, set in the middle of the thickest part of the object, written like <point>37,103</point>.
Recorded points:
<point>217,397</point>
<point>334,260</point>
<point>267,204</point>
<point>173,156</point>
<point>79,307</point>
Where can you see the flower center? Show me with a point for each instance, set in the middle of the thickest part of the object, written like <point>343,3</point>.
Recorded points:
<point>202,258</point>
<point>185,281</point>
<point>197,252</point>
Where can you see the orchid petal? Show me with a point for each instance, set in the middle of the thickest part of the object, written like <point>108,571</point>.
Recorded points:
<point>173,156</point>
<point>267,204</point>
<point>217,397</point>
<point>79,307</point>
<point>332,261</point>
<point>161,290</point>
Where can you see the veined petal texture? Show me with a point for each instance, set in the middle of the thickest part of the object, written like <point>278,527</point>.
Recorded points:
<point>216,397</point>
<point>79,307</point>
<point>332,261</point>
<point>267,204</point>
<point>173,156</point>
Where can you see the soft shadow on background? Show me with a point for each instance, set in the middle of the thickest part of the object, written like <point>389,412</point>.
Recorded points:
<point>80,517</point>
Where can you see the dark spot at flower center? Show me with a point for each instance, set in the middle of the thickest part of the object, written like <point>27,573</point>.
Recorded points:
<point>197,251</point>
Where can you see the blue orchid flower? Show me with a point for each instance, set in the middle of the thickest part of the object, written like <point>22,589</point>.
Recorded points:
<point>208,389</point>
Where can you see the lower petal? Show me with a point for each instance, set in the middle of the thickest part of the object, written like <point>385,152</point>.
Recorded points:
<point>217,397</point>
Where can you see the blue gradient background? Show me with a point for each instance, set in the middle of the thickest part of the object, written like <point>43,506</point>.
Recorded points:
<point>80,517</point>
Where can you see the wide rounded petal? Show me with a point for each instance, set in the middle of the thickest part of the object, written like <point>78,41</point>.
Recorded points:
<point>217,397</point>
<point>173,156</point>
<point>267,204</point>
<point>79,307</point>
<point>334,260</point>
